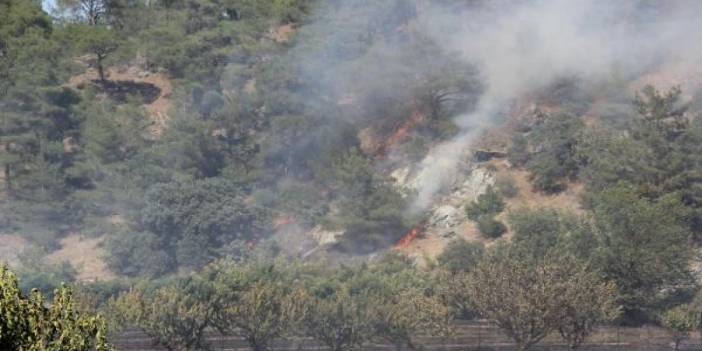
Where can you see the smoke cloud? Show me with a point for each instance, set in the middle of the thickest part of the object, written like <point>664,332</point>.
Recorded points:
<point>523,46</point>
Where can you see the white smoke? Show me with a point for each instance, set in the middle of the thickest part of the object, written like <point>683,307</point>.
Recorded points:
<point>523,46</point>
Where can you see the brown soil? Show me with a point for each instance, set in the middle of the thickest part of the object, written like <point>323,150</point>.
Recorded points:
<point>157,106</point>
<point>528,197</point>
<point>282,34</point>
<point>429,245</point>
<point>85,255</point>
<point>11,245</point>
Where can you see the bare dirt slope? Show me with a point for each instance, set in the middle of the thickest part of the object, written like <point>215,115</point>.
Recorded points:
<point>85,255</point>
<point>11,246</point>
<point>448,220</point>
<point>157,109</point>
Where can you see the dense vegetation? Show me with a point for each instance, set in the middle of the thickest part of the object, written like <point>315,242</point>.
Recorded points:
<point>274,116</point>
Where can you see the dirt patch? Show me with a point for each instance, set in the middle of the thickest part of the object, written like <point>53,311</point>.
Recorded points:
<point>282,34</point>
<point>11,245</point>
<point>85,255</point>
<point>157,105</point>
<point>527,197</point>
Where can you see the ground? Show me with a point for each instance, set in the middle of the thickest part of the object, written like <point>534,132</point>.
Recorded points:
<point>157,109</point>
<point>85,255</point>
<point>11,246</point>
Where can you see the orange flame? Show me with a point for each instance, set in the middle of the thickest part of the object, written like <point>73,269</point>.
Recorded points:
<point>401,132</point>
<point>409,237</point>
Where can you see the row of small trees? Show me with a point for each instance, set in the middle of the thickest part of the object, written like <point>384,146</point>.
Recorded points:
<point>386,301</point>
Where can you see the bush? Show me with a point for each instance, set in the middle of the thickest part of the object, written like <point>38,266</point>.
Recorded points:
<point>488,204</point>
<point>507,186</point>
<point>491,227</point>
<point>461,255</point>
<point>137,253</point>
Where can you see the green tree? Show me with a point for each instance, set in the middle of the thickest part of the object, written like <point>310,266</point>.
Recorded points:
<point>554,141</point>
<point>461,255</point>
<point>589,300</point>
<point>529,297</point>
<point>643,247</point>
<point>32,323</point>
<point>340,320</point>
<point>193,219</point>
<point>488,204</point>
<point>101,42</point>
<point>260,303</point>
<point>680,321</point>
<point>175,315</point>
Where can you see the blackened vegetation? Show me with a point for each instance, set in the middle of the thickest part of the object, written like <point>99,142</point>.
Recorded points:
<point>121,90</point>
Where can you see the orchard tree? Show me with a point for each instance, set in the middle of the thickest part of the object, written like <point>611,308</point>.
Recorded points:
<point>176,315</point>
<point>339,319</point>
<point>530,297</point>
<point>680,321</point>
<point>259,303</point>
<point>403,314</point>
<point>32,323</point>
<point>587,301</point>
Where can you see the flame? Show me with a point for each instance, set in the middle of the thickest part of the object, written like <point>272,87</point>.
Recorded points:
<point>409,237</point>
<point>401,132</point>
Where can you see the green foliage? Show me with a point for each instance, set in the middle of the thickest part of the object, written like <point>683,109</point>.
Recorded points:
<point>659,156</point>
<point>137,254</point>
<point>680,321</point>
<point>491,227</point>
<point>29,323</point>
<point>461,255</point>
<point>642,246</point>
<point>192,219</point>
<point>99,41</point>
<point>484,210</point>
<point>507,186</point>
<point>529,298</point>
<point>371,209</point>
<point>175,315</point>
<point>260,302</point>
<point>488,204</point>
<point>554,141</point>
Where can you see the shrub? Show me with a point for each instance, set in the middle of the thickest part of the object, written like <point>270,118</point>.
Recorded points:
<point>491,227</point>
<point>461,255</point>
<point>488,204</point>
<point>507,186</point>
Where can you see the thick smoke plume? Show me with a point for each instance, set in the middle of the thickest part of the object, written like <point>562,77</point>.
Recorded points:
<point>523,46</point>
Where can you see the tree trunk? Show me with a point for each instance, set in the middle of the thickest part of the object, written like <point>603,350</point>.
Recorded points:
<point>101,70</point>
<point>8,181</point>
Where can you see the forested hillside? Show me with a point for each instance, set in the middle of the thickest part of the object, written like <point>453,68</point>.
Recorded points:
<point>171,150</point>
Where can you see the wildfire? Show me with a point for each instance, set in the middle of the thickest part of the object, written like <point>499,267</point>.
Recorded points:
<point>401,132</point>
<point>410,236</point>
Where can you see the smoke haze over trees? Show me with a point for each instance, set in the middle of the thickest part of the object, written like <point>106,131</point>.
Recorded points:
<point>204,145</point>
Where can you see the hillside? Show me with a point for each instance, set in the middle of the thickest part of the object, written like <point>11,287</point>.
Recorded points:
<point>398,153</point>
